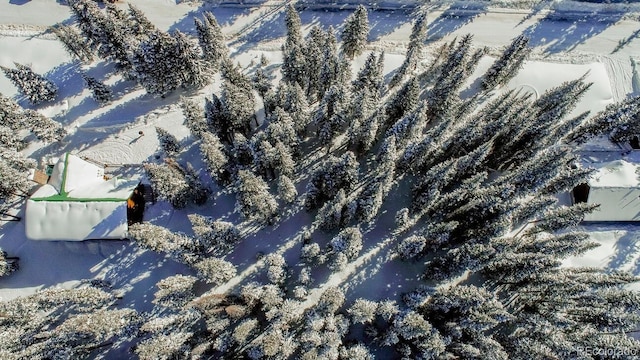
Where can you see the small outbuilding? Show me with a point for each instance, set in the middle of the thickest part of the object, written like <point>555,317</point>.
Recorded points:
<point>77,203</point>
<point>616,187</point>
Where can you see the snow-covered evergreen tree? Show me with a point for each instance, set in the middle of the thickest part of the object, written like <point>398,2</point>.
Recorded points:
<point>169,183</point>
<point>508,65</point>
<point>404,101</point>
<point>198,192</point>
<point>214,236</point>
<point>370,76</point>
<point>139,24</point>
<point>160,239</point>
<point>168,142</point>
<point>327,181</point>
<point>215,271</point>
<point>214,156</point>
<point>175,291</point>
<point>330,63</point>
<point>188,65</point>
<point>254,199</point>
<point>314,54</point>
<point>211,39</point>
<point>42,127</point>
<point>293,65</point>
<point>414,52</point>
<point>331,115</point>
<point>194,118</point>
<point>101,92</point>
<point>63,323</point>
<point>7,264</point>
<point>238,107</point>
<point>287,189</point>
<point>154,63</point>
<point>73,42</point>
<point>261,83</point>
<point>35,87</point>
<point>355,32</point>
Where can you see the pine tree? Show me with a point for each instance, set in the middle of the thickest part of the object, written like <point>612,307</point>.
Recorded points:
<point>198,192</point>
<point>254,199</point>
<point>11,114</point>
<point>508,65</point>
<point>215,271</point>
<point>43,128</point>
<point>9,139</point>
<point>168,142</point>
<point>35,87</point>
<point>63,323</point>
<point>14,169</point>
<point>188,65</point>
<point>370,77</point>
<point>213,112</point>
<point>214,156</point>
<point>194,118</point>
<point>286,189</point>
<point>403,102</point>
<point>157,238</point>
<point>618,121</point>
<point>154,64</point>
<point>314,53</point>
<point>139,25</point>
<point>238,107</point>
<point>73,42</point>
<point>326,182</point>
<point>101,92</point>
<point>7,264</point>
<point>414,52</point>
<point>330,117</point>
<point>261,83</point>
<point>293,65</point>
<point>169,183</point>
<point>355,32</point>
<point>211,39</point>
<point>328,73</point>
<point>175,291</point>
<point>214,236</point>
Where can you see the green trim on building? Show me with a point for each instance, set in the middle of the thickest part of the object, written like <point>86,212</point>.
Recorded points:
<point>61,198</point>
<point>64,195</point>
<point>63,191</point>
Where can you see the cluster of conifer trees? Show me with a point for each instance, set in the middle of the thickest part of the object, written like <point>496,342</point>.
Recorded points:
<point>480,174</point>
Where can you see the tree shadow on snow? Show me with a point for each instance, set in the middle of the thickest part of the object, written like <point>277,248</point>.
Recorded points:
<point>627,248</point>
<point>453,18</point>
<point>561,31</point>
<point>68,77</point>
<point>226,16</point>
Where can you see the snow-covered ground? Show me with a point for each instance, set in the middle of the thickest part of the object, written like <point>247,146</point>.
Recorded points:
<point>566,47</point>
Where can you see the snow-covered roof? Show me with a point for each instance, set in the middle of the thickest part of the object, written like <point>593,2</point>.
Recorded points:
<point>78,204</point>
<point>615,174</point>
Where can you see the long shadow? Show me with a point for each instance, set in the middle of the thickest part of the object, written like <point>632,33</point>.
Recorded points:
<point>453,18</point>
<point>561,31</point>
<point>626,41</point>
<point>225,15</point>
<point>626,248</point>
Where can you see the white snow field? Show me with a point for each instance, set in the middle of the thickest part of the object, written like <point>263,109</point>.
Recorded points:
<point>596,40</point>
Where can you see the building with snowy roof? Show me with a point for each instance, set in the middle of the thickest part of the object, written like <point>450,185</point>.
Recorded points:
<point>616,187</point>
<point>77,203</point>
